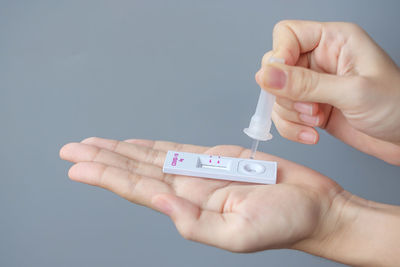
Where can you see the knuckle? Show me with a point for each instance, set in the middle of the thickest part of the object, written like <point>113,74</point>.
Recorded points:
<point>116,145</point>
<point>276,108</point>
<point>102,176</point>
<point>281,125</point>
<point>355,27</point>
<point>280,111</point>
<point>97,154</point>
<point>131,165</point>
<point>280,24</point>
<point>152,155</point>
<point>129,190</point>
<point>301,83</point>
<point>284,102</point>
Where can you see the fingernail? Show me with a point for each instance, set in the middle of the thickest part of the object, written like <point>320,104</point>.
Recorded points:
<point>162,205</point>
<point>275,78</point>
<point>307,137</point>
<point>313,120</point>
<point>305,108</point>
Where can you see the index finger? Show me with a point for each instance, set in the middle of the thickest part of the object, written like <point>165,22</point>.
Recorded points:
<point>291,38</point>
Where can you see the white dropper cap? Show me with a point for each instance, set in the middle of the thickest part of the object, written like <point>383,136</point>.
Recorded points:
<point>260,123</point>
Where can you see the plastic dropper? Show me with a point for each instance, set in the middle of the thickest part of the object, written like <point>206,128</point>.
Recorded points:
<point>260,123</point>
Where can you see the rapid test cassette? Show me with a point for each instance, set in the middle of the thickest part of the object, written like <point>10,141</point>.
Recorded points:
<point>217,167</point>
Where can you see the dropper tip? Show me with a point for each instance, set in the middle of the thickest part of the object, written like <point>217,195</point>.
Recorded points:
<point>254,146</point>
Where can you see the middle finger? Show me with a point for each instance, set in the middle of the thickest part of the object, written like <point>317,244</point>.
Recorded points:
<point>136,152</point>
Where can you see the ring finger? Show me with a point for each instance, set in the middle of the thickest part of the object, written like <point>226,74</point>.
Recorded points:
<point>298,117</point>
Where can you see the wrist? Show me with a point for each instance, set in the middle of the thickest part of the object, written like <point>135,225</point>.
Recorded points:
<point>358,232</point>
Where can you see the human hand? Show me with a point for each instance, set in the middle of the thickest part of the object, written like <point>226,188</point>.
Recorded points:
<point>231,215</point>
<point>305,210</point>
<point>336,78</point>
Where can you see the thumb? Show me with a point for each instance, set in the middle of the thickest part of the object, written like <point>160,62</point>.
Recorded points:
<point>302,84</point>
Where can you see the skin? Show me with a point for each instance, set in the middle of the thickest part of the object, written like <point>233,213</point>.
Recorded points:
<point>209,211</point>
<point>305,210</point>
<point>336,78</point>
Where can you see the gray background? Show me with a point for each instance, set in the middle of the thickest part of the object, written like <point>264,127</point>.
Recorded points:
<point>173,70</point>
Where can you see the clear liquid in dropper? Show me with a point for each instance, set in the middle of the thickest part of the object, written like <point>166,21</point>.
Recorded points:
<point>254,146</point>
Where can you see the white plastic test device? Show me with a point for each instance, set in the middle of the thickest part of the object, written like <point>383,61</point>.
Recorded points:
<point>223,168</point>
<point>233,169</point>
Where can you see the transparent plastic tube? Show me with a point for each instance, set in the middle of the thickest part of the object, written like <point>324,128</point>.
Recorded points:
<point>254,146</point>
<point>260,123</point>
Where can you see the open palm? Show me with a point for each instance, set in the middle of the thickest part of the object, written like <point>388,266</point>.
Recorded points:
<point>231,215</point>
